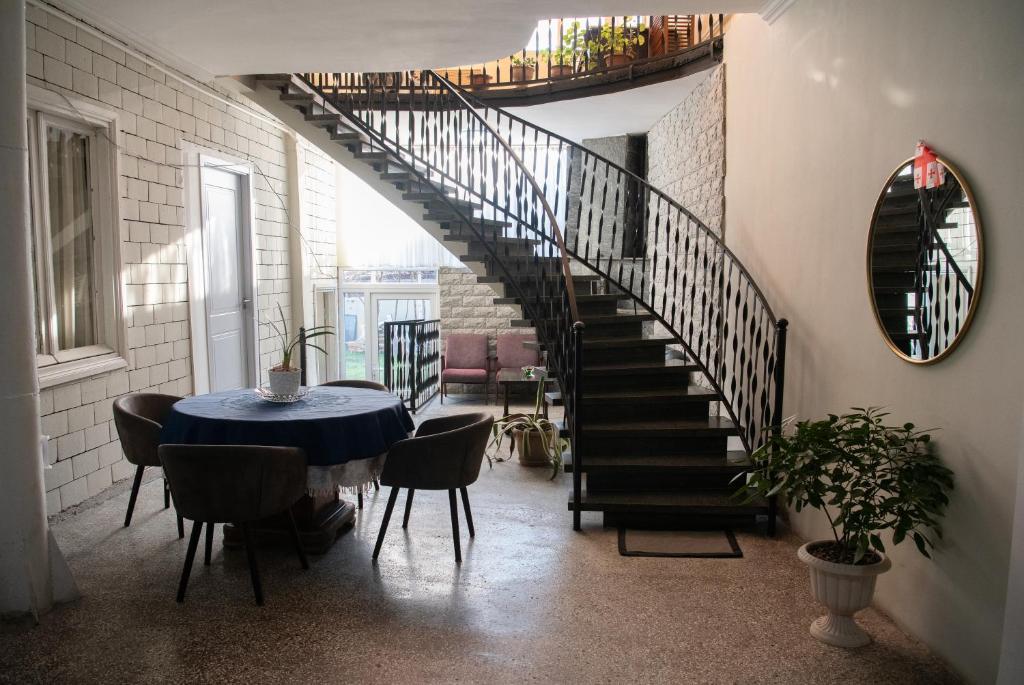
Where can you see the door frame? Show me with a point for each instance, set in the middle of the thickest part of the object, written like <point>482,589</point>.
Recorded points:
<point>195,158</point>
<point>370,293</point>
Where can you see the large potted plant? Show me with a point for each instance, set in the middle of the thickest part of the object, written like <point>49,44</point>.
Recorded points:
<point>867,478</point>
<point>285,377</point>
<point>534,437</point>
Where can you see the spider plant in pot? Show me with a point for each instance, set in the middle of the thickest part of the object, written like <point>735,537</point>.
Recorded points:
<point>285,377</point>
<point>867,478</point>
<point>533,436</point>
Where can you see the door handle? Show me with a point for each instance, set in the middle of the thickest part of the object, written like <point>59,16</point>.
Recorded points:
<point>246,302</point>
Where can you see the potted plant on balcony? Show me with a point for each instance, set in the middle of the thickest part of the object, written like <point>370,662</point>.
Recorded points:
<point>564,58</point>
<point>867,478</point>
<point>616,46</point>
<point>535,438</point>
<point>479,79</point>
<point>285,377</point>
<point>524,68</point>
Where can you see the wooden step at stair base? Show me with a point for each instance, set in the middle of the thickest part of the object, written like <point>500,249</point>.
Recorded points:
<point>702,503</point>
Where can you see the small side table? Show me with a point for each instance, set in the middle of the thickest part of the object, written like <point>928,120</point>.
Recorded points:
<point>513,378</point>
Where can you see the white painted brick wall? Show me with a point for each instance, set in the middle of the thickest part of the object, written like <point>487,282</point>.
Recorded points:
<point>157,112</point>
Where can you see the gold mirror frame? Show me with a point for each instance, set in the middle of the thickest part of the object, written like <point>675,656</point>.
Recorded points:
<point>977,285</point>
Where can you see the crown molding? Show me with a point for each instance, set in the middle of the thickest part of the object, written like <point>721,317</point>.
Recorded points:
<point>771,10</point>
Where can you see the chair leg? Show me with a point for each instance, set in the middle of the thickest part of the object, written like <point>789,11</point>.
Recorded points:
<point>294,530</point>
<point>181,526</point>
<point>209,542</point>
<point>408,507</point>
<point>167,494</point>
<point>469,513</point>
<point>454,506</point>
<point>376,485</point>
<point>134,495</point>
<point>359,499</point>
<point>387,519</point>
<point>190,555</point>
<point>254,571</point>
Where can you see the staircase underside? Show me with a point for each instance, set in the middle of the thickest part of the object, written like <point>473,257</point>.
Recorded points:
<point>653,453</point>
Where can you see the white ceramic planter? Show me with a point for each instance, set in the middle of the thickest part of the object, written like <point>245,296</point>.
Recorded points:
<point>285,382</point>
<point>844,589</point>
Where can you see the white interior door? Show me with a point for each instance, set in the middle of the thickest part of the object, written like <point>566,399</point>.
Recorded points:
<point>228,286</point>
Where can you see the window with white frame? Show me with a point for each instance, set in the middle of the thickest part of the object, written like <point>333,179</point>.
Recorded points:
<point>72,179</point>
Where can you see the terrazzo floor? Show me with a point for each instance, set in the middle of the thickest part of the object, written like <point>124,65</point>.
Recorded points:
<point>532,601</point>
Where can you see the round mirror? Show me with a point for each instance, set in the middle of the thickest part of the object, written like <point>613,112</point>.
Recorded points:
<point>925,262</point>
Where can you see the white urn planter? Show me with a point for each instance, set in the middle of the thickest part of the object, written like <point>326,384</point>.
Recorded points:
<point>844,589</point>
<point>285,382</point>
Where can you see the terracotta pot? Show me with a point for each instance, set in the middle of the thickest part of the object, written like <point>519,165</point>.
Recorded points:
<point>844,589</point>
<point>617,60</point>
<point>479,79</point>
<point>285,382</point>
<point>523,73</point>
<point>560,70</point>
<point>530,447</point>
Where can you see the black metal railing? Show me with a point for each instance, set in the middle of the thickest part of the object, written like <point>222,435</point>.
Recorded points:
<point>615,223</point>
<point>942,293</point>
<point>566,48</point>
<point>484,190</point>
<point>412,360</point>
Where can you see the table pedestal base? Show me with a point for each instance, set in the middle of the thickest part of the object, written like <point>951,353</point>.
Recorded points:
<point>320,521</point>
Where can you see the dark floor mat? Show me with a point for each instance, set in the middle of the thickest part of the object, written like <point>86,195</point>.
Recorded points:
<point>706,544</point>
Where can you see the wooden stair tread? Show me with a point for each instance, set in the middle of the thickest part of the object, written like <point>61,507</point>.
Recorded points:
<point>626,367</point>
<point>713,425</point>
<point>696,393</point>
<point>734,460</point>
<point>691,502</point>
<point>601,343</point>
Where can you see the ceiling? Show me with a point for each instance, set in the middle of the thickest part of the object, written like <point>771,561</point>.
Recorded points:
<point>235,37</point>
<point>615,114</point>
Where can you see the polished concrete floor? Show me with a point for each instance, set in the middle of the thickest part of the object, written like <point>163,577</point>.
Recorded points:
<point>532,601</point>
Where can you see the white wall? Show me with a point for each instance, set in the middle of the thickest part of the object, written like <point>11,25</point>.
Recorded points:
<point>820,107</point>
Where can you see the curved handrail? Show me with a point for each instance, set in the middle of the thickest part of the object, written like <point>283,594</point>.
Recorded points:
<point>475,101</point>
<point>731,333</point>
<point>559,239</point>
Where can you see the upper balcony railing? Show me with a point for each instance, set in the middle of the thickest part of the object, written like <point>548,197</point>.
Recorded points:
<point>567,58</point>
<point>572,47</point>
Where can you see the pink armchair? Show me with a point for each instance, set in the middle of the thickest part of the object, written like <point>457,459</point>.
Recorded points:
<point>465,361</point>
<point>512,354</point>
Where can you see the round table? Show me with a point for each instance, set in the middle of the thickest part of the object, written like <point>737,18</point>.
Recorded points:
<point>345,432</point>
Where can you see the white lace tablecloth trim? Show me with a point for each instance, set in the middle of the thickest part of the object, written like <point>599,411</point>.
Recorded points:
<point>351,477</point>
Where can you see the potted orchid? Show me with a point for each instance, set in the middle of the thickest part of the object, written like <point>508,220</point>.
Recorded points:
<point>285,377</point>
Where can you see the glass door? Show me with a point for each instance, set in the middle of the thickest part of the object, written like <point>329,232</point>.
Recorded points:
<point>395,306</point>
<point>353,335</point>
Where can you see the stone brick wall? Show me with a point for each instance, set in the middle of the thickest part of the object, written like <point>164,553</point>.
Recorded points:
<point>157,111</point>
<point>468,307</point>
<point>686,161</point>
<point>686,151</point>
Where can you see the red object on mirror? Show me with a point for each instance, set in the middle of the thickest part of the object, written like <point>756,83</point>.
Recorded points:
<point>928,171</point>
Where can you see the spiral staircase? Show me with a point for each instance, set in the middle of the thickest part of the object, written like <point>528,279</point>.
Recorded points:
<point>612,273</point>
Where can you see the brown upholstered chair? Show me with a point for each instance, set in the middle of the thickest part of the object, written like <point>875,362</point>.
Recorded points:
<point>353,383</point>
<point>465,361</point>
<point>513,353</point>
<point>368,385</point>
<point>445,454</point>
<point>139,418</point>
<point>236,484</point>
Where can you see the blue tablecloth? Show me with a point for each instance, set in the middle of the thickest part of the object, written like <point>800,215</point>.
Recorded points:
<point>333,425</point>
